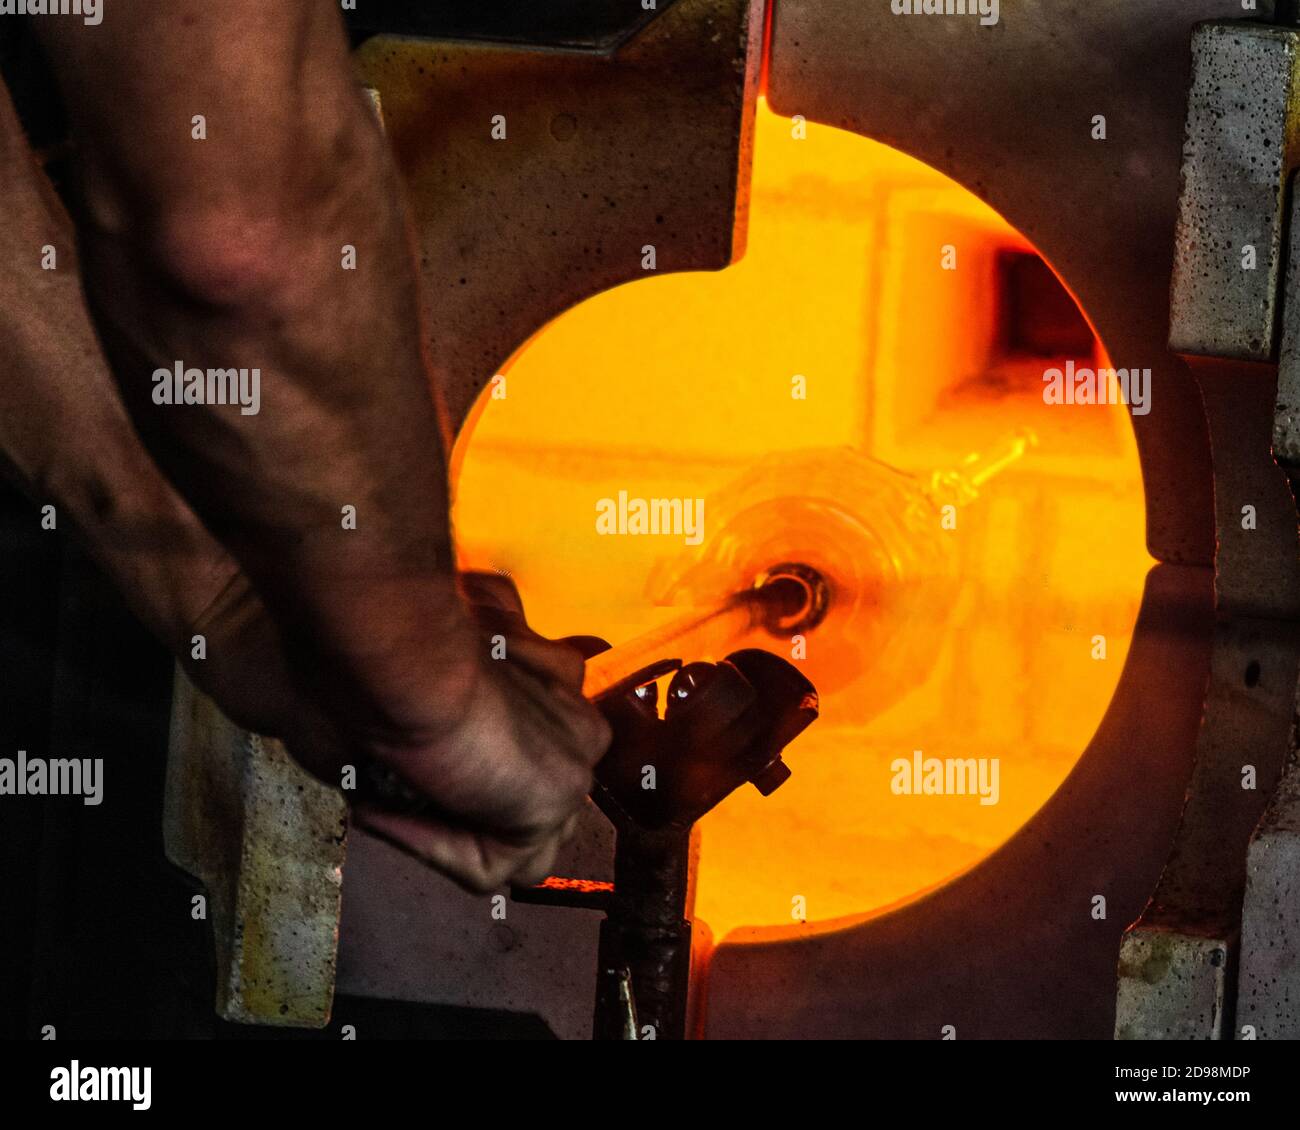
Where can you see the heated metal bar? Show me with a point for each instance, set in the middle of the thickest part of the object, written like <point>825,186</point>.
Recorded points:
<point>782,601</point>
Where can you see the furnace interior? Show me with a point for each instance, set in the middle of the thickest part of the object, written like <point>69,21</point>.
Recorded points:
<point>921,325</point>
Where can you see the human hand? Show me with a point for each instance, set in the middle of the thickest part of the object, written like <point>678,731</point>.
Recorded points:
<point>505,782</point>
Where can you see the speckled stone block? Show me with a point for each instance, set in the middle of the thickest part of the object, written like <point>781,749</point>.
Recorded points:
<point>266,840</point>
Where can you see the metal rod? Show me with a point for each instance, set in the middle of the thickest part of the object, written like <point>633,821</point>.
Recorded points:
<point>693,635</point>
<point>645,942</point>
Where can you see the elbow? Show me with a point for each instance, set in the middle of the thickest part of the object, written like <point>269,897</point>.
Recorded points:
<point>262,246</point>
<point>224,258</point>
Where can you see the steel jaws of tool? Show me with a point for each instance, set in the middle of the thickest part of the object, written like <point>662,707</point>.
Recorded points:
<point>723,724</point>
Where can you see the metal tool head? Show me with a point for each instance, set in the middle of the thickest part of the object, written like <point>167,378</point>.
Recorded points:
<point>723,724</point>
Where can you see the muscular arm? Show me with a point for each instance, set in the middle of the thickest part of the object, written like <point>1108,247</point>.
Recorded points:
<point>67,442</point>
<point>227,253</point>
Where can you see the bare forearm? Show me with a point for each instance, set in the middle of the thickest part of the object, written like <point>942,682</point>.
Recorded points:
<point>100,484</point>
<point>228,252</point>
<point>225,253</point>
<point>65,439</point>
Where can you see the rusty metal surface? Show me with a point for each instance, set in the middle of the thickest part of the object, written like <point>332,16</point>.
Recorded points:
<point>266,840</point>
<point>1240,149</point>
<point>601,158</point>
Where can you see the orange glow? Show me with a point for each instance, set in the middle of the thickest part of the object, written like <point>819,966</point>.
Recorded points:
<point>582,886</point>
<point>979,641</point>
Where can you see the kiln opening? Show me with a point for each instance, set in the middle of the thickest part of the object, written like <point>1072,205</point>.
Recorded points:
<point>861,405</point>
